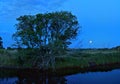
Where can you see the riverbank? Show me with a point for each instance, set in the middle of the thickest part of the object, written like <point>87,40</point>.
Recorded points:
<point>75,59</point>
<point>13,71</point>
<point>88,58</point>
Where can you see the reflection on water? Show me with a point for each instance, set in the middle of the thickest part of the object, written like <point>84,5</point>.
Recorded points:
<point>41,80</point>
<point>16,80</point>
<point>110,77</point>
<point>8,80</point>
<point>33,79</point>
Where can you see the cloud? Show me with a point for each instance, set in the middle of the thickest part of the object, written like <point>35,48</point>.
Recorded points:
<point>15,8</point>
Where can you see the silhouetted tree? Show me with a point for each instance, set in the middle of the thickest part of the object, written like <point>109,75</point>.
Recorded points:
<point>50,29</point>
<point>49,32</point>
<point>1,42</point>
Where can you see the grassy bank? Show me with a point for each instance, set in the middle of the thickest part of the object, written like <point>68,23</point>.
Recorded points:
<point>72,58</point>
<point>87,58</point>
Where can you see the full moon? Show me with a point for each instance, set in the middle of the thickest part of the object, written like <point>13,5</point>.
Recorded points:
<point>90,42</point>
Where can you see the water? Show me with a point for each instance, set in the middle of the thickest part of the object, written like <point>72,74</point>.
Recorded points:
<point>110,77</point>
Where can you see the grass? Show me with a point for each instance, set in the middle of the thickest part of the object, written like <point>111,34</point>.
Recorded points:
<point>8,58</point>
<point>73,58</point>
<point>88,58</point>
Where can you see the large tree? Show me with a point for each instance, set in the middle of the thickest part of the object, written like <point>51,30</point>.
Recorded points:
<point>54,30</point>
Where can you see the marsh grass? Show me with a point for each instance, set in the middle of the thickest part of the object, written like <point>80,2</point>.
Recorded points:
<point>73,58</point>
<point>8,58</point>
<point>88,58</point>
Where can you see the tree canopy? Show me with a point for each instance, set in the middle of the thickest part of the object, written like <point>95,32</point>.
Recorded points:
<point>54,29</point>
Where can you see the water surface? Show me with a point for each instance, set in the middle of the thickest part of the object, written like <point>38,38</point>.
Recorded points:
<point>109,77</point>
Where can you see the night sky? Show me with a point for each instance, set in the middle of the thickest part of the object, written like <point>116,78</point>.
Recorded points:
<point>100,19</point>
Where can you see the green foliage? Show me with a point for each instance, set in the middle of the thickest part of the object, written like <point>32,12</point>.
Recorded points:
<point>8,58</point>
<point>77,58</point>
<point>84,58</point>
<point>54,30</point>
<point>2,51</point>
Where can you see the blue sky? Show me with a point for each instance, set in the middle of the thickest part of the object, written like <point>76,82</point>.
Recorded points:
<point>100,19</point>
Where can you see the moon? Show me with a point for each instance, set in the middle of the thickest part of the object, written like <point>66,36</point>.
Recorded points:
<point>90,41</point>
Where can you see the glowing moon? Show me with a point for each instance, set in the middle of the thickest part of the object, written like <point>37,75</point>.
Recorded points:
<point>90,41</point>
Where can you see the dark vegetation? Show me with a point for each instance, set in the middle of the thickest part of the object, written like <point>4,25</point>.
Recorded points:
<point>72,58</point>
<point>1,43</point>
<point>39,38</point>
<point>42,42</point>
